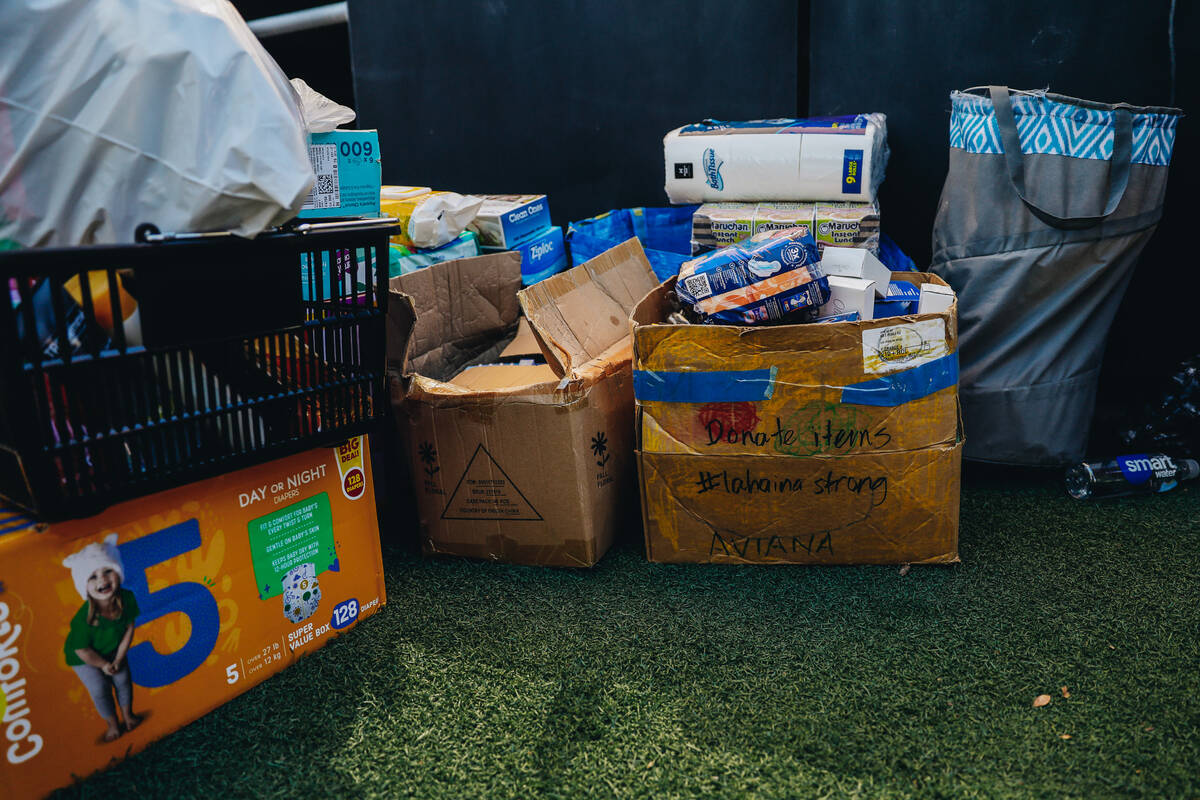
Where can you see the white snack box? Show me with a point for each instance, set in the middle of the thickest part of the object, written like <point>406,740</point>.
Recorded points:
<point>848,295</point>
<point>934,299</point>
<point>855,262</point>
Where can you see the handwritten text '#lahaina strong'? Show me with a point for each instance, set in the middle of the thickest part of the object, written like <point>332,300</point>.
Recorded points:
<point>746,482</point>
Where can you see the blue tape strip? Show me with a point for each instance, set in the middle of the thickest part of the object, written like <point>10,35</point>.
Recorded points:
<point>903,387</point>
<point>732,386</point>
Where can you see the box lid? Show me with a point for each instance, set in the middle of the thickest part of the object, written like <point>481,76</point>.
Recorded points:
<point>425,335</point>
<point>579,314</point>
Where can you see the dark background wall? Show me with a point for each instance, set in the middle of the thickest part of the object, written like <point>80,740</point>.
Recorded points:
<point>569,98</point>
<point>572,98</point>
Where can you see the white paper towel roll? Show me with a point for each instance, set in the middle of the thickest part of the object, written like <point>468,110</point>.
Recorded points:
<point>840,158</point>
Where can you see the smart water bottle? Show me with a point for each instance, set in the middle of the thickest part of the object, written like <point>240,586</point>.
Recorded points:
<point>1136,474</point>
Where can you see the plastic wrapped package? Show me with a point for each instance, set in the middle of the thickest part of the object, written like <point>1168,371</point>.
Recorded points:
<point>773,276</point>
<point>115,113</point>
<point>825,158</point>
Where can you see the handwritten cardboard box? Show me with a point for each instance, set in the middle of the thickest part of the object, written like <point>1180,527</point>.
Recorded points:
<point>225,581</point>
<point>538,473</point>
<point>836,443</point>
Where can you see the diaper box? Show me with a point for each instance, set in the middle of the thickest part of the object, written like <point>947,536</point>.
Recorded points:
<point>215,586</point>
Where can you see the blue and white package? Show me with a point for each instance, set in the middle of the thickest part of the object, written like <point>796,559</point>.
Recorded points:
<point>828,158</point>
<point>402,260</point>
<point>507,220</point>
<point>765,278</point>
<point>900,300</point>
<point>543,256</point>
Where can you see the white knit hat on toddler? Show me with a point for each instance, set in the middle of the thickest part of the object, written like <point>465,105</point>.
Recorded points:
<point>93,557</point>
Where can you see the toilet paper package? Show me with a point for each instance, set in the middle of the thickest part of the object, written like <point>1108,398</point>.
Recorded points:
<point>827,158</point>
<point>767,278</point>
<point>428,219</point>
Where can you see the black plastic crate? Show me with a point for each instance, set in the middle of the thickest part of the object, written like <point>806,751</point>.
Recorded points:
<point>236,354</point>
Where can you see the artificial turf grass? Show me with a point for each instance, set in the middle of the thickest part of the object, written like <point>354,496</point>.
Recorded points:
<point>646,680</point>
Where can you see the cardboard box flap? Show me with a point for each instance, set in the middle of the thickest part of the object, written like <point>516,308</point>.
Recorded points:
<point>444,315</point>
<point>578,314</point>
<point>523,344</point>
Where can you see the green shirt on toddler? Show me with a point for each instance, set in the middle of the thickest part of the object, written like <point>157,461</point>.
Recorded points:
<point>105,636</point>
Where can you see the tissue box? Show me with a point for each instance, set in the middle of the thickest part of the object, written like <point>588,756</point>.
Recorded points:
<point>402,260</point>
<point>506,220</point>
<point>541,256</point>
<point>234,578</point>
<point>348,172</point>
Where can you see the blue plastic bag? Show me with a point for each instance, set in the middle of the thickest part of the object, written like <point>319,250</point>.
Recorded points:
<point>666,235</point>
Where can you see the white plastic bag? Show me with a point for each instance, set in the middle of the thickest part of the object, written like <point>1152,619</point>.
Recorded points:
<point>321,115</point>
<point>118,112</point>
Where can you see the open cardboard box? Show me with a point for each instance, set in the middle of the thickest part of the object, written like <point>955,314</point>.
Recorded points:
<point>836,443</point>
<point>533,473</point>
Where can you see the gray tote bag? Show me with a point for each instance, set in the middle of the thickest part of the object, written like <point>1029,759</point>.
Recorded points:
<point>1047,203</point>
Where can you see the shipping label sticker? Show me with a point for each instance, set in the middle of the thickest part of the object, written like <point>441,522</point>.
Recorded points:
<point>325,192</point>
<point>899,347</point>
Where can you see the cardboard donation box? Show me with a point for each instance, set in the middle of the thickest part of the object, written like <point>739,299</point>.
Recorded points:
<point>119,629</point>
<point>527,463</point>
<point>834,443</point>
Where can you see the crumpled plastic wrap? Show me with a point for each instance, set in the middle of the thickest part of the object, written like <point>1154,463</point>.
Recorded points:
<point>115,113</point>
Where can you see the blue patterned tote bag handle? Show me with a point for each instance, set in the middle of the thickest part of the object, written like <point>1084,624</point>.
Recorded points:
<point>1047,204</point>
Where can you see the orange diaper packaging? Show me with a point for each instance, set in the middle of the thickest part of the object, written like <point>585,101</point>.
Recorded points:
<point>119,629</point>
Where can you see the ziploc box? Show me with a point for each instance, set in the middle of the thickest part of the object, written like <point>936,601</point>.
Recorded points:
<point>836,443</point>
<point>349,175</point>
<point>507,220</point>
<point>533,473</point>
<point>223,583</point>
<point>541,256</point>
